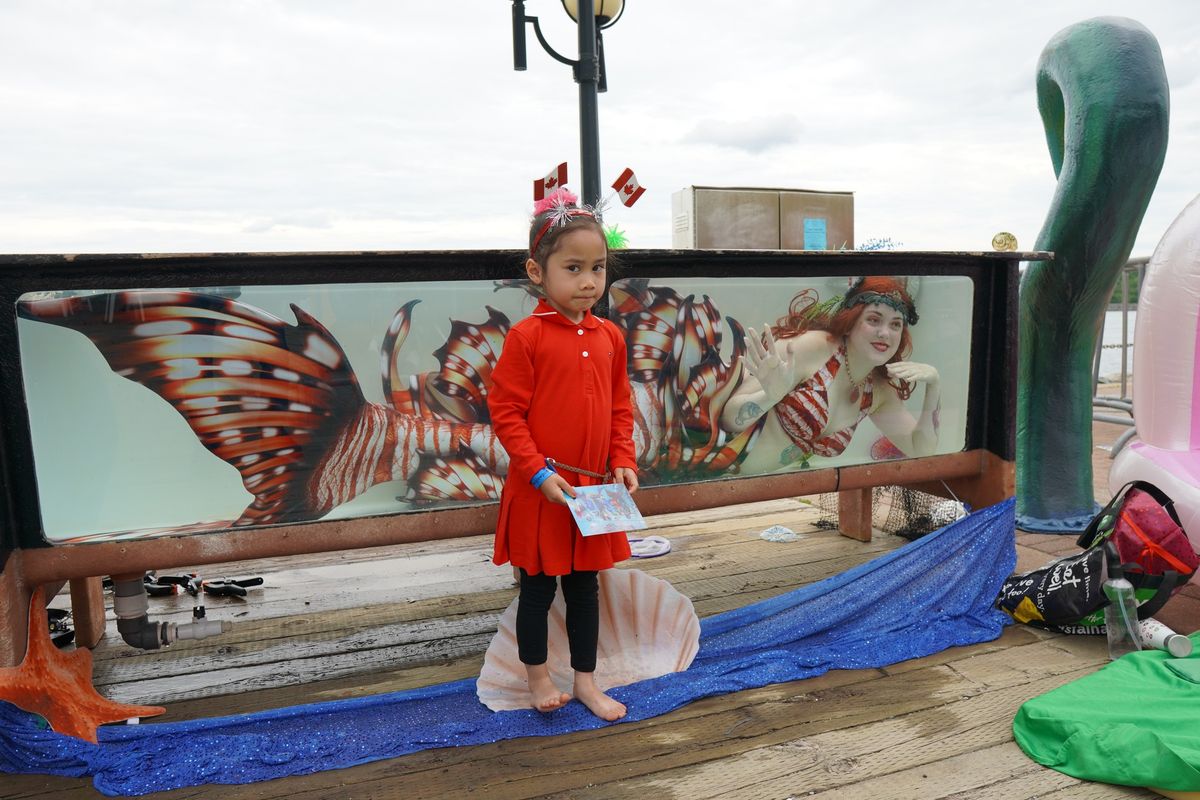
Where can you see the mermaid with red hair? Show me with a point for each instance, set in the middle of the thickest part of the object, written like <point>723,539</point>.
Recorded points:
<point>810,379</point>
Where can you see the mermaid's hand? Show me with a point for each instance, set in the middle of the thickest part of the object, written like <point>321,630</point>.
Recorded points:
<point>913,372</point>
<point>776,375</point>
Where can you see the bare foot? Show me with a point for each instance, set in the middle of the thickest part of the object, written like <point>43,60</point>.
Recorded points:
<point>543,694</point>
<point>600,704</point>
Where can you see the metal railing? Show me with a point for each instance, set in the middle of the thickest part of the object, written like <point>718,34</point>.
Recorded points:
<point>1132,274</point>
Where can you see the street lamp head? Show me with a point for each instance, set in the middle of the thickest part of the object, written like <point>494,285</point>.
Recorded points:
<point>588,69</point>
<point>607,11</point>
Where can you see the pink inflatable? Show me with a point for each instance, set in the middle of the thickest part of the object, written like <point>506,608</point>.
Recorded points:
<point>1166,374</point>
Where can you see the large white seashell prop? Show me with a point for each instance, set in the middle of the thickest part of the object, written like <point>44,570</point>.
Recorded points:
<point>647,629</point>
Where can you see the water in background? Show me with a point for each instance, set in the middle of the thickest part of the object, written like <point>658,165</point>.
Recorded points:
<point>1110,357</point>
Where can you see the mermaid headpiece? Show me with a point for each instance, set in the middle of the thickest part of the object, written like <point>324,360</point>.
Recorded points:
<point>894,299</point>
<point>560,208</point>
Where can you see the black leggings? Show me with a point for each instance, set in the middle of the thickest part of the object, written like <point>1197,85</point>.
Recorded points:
<point>581,591</point>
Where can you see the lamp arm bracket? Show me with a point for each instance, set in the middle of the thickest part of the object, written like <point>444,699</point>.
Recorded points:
<point>537,29</point>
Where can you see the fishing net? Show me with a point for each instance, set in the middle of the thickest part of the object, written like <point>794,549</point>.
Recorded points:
<point>895,509</point>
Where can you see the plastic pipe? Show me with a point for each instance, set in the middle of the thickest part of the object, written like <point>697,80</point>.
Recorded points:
<point>133,623</point>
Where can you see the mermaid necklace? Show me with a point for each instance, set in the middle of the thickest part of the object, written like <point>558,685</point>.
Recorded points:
<point>854,384</point>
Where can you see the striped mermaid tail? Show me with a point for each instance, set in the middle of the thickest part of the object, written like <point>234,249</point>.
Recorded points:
<point>680,381</point>
<point>280,403</point>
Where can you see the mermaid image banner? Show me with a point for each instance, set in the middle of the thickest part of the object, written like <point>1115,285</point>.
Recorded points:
<point>171,411</point>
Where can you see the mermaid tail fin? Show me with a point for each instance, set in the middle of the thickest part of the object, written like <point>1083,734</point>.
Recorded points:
<point>457,392</point>
<point>263,395</point>
<point>403,392</point>
<point>675,361</point>
<point>648,316</point>
<point>705,383</point>
<point>463,478</point>
<point>710,385</point>
<point>469,464</point>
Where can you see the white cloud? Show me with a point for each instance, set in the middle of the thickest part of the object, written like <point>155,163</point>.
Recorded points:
<point>754,136</point>
<point>289,125</point>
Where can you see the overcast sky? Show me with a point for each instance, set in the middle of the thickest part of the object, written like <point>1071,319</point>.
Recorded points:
<point>183,126</point>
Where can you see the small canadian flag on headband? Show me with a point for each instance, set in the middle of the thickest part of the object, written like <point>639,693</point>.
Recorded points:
<point>628,188</point>
<point>554,180</point>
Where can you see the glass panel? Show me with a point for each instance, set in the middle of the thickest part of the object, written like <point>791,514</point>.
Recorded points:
<point>176,411</point>
<point>272,411</point>
<point>685,331</point>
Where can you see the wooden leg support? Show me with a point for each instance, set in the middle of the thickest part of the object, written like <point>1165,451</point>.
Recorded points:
<point>87,611</point>
<point>14,612</point>
<point>995,482</point>
<point>854,514</point>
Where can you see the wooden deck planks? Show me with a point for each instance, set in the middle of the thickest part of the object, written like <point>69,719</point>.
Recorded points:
<point>719,565</point>
<point>935,727</point>
<point>966,716</point>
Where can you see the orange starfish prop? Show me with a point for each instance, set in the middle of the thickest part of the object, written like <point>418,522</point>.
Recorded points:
<point>58,685</point>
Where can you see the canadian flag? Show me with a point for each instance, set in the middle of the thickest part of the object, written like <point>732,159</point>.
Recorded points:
<point>555,179</point>
<point>627,187</point>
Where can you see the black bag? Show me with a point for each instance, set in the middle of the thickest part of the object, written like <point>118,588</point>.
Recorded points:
<point>1067,594</point>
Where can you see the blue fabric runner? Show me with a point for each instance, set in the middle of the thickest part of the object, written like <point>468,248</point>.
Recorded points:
<point>934,593</point>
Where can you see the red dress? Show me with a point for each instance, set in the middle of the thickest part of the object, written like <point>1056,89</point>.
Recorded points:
<point>559,389</point>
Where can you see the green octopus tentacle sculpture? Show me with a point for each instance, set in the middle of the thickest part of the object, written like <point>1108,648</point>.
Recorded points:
<point>1103,97</point>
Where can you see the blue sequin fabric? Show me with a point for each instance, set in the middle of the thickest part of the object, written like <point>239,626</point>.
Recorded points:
<point>934,593</point>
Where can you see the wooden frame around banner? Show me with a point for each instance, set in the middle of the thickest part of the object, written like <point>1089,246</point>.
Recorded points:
<point>981,474</point>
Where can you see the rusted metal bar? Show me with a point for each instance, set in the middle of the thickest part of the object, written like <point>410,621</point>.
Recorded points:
<point>888,473</point>
<point>44,565</point>
<point>105,558</point>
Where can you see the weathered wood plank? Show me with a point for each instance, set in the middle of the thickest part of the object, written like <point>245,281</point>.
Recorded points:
<point>714,728</point>
<point>782,569</point>
<point>374,683</point>
<point>294,670</point>
<point>1087,790</point>
<point>855,754</point>
<point>961,775</point>
<point>46,787</point>
<point>401,573</point>
<point>225,665</point>
<point>842,704</point>
<point>774,724</point>
<point>425,632</point>
<point>397,679</point>
<point>453,575</point>
<point>1044,784</point>
<point>907,716</point>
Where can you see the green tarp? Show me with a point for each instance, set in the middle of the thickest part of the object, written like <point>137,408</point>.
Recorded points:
<point>1135,722</point>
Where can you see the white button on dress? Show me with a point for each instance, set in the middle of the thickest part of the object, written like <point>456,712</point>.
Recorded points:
<point>580,331</point>
<point>585,353</point>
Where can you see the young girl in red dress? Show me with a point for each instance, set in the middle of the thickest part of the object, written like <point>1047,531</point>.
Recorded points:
<point>560,394</point>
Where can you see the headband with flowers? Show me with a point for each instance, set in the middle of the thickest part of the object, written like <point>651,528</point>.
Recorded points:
<point>560,208</point>
<point>894,299</point>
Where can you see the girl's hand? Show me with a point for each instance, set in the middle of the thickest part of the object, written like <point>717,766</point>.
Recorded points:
<point>776,376</point>
<point>627,477</point>
<point>913,372</point>
<point>557,490</point>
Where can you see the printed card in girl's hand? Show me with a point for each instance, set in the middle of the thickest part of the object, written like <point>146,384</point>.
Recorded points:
<point>607,508</point>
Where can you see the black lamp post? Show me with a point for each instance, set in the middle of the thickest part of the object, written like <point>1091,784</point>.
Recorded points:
<point>592,17</point>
